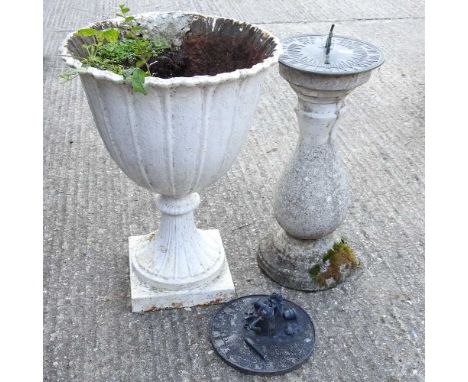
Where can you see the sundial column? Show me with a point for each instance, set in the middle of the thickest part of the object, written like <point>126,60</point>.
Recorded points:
<point>312,193</point>
<point>304,251</point>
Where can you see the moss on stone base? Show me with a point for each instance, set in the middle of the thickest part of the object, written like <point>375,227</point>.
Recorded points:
<point>336,263</point>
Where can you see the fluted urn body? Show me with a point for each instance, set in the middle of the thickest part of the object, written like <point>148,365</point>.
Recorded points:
<point>175,141</point>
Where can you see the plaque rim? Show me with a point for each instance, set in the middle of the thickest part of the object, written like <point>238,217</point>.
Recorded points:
<point>262,372</point>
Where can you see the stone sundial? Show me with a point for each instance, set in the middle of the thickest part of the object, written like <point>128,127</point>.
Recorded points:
<point>304,251</point>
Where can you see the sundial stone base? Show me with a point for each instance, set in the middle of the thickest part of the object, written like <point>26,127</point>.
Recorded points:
<point>146,298</point>
<point>288,261</point>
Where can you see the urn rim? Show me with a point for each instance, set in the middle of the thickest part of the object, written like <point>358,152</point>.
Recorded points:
<point>199,80</point>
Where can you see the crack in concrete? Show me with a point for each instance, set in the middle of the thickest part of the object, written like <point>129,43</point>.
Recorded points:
<point>340,21</point>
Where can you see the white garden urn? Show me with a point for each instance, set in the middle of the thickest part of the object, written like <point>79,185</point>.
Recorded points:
<point>175,141</point>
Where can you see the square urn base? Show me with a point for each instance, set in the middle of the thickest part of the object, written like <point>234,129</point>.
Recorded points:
<point>146,298</point>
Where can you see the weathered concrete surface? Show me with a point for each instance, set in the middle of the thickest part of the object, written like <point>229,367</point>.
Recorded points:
<point>368,330</point>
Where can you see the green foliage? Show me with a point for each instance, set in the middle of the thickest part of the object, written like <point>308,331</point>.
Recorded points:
<point>124,9</point>
<point>69,74</point>
<point>101,36</point>
<point>337,259</point>
<point>127,52</point>
<point>123,50</point>
<point>137,78</point>
<point>314,271</point>
<point>128,25</point>
<point>86,32</point>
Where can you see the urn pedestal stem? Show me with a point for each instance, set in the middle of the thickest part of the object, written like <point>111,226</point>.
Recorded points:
<point>186,266</point>
<point>178,256</point>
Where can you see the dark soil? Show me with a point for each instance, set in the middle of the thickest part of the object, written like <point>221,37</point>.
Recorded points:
<point>206,55</point>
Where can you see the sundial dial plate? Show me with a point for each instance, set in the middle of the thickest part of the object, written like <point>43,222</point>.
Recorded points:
<point>307,53</point>
<point>282,353</point>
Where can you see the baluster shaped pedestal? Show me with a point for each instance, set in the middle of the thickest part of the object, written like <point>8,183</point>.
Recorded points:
<point>312,193</point>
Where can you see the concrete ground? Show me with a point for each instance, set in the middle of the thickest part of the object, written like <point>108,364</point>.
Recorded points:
<point>371,329</point>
